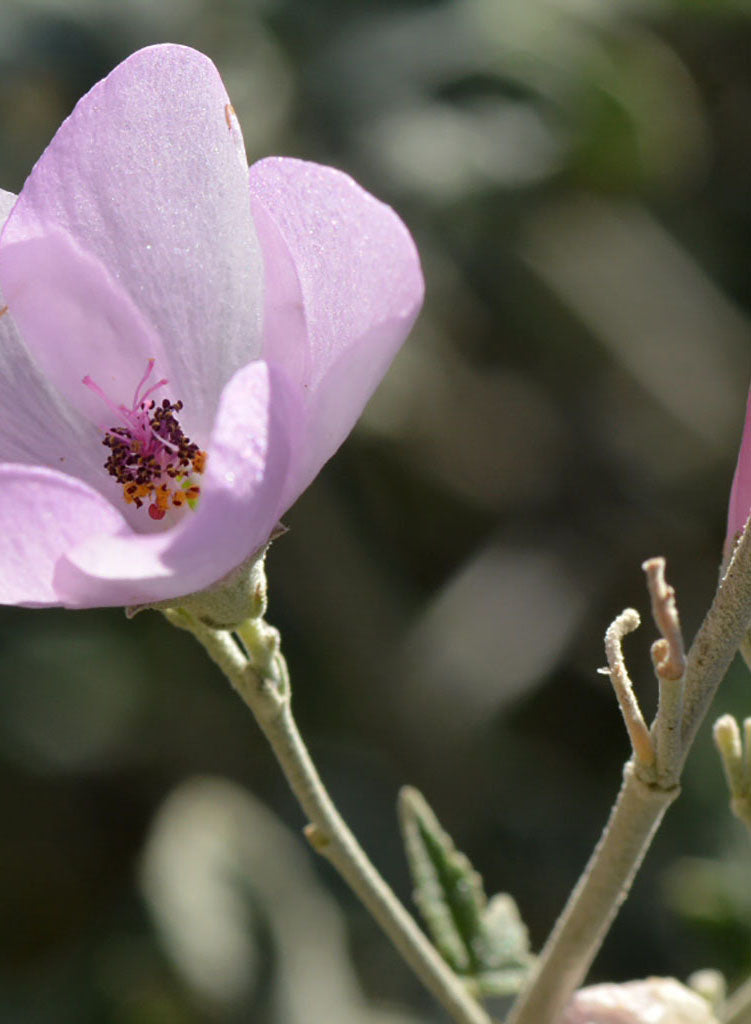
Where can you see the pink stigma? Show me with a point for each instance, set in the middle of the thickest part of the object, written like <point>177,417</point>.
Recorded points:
<point>150,456</point>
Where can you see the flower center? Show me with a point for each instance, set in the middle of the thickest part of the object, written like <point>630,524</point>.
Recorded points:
<point>150,456</point>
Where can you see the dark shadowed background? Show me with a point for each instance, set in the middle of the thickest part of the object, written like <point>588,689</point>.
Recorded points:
<point>577,174</point>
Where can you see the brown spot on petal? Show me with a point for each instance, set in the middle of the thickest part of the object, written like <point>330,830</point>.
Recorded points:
<point>229,114</point>
<point>3,311</point>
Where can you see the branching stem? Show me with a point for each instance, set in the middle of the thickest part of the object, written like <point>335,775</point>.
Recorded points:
<point>687,685</point>
<point>647,790</point>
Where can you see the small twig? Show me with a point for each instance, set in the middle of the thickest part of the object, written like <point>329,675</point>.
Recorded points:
<point>727,737</point>
<point>638,733</point>
<point>669,661</point>
<point>735,762</point>
<point>668,654</point>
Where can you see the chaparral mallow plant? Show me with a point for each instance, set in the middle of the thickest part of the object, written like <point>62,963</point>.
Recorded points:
<point>184,342</point>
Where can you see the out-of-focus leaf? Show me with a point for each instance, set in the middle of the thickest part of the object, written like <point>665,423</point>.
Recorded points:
<point>484,942</point>
<point>231,893</point>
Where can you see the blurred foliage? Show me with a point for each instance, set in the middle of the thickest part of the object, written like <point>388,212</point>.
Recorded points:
<point>576,174</point>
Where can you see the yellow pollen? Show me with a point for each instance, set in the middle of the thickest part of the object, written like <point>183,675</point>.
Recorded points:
<point>161,497</point>
<point>135,492</point>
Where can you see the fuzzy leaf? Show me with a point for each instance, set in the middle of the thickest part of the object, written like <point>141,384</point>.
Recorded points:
<point>485,942</point>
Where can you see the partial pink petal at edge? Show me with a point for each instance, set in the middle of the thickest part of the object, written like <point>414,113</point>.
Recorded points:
<point>740,493</point>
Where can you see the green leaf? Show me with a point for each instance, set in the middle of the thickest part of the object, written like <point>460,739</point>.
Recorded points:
<point>484,942</point>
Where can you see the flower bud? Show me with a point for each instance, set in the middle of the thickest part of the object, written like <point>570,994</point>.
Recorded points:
<point>652,1001</point>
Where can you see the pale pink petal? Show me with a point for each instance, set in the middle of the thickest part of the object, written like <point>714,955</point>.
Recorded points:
<point>42,515</point>
<point>740,493</point>
<point>343,288</point>
<point>76,321</point>
<point>37,425</point>
<point>149,176</point>
<point>249,456</point>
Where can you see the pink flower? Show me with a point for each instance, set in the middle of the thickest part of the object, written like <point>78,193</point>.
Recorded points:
<point>183,342</point>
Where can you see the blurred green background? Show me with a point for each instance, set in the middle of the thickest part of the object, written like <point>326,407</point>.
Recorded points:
<point>577,176</point>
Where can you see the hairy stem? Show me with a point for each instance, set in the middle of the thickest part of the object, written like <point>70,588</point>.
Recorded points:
<point>593,904</point>
<point>262,684</point>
